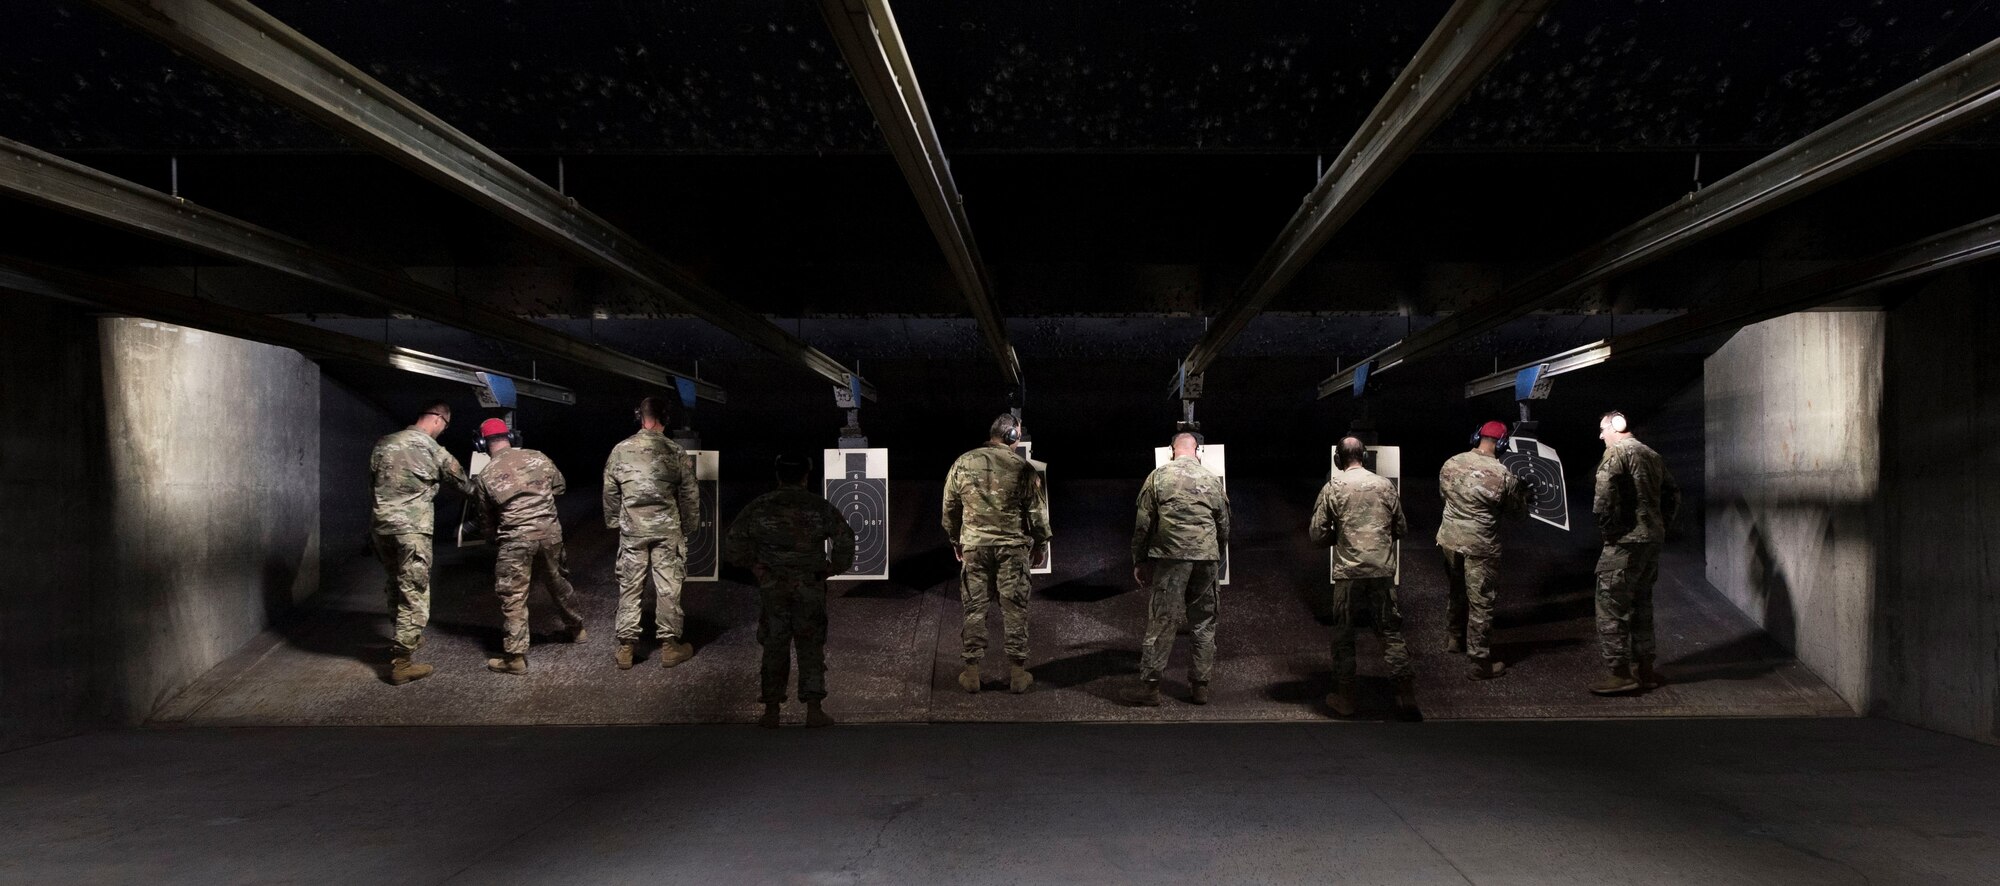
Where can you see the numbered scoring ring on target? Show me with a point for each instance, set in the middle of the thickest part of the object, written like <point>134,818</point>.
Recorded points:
<point>861,502</point>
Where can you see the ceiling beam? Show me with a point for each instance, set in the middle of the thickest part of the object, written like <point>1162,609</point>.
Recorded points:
<point>873,47</point>
<point>242,40</point>
<point>1955,248</point>
<point>49,180</point>
<point>1471,38</point>
<point>1955,94</point>
<point>33,278</point>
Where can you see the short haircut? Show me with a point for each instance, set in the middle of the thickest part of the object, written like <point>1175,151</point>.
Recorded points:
<point>1001,425</point>
<point>1352,451</point>
<point>658,409</point>
<point>439,408</point>
<point>1190,435</point>
<point>791,468</point>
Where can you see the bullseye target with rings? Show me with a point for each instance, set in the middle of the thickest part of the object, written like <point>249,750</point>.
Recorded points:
<point>1538,466</point>
<point>857,485</point>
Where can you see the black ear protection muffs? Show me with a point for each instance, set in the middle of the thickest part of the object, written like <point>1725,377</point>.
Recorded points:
<point>513,439</point>
<point>1010,429</point>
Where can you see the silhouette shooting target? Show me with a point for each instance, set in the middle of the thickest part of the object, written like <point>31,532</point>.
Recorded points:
<point>857,485</point>
<point>1538,466</point>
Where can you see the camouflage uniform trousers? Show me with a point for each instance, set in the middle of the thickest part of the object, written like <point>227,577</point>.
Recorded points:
<point>665,559</point>
<point>514,570</point>
<point>1379,595</point>
<point>1468,614</point>
<point>408,559</point>
<point>1625,576</point>
<point>792,613</point>
<point>1181,587</point>
<point>987,571</point>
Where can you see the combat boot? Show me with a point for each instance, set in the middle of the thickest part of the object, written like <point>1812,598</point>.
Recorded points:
<point>578,634</point>
<point>623,656</point>
<point>674,652</point>
<point>770,718</point>
<point>1618,682</point>
<point>968,679</point>
<point>514,664</point>
<point>1455,643</point>
<point>1199,691</point>
<point>1649,679</point>
<point>815,716</point>
<point>1145,695</point>
<point>1487,668</point>
<point>1344,699</point>
<point>1406,695</point>
<point>1018,679</point>
<point>402,671</point>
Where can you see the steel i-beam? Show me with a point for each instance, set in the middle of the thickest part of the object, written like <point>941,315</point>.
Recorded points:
<point>44,178</point>
<point>1473,35</point>
<point>33,278</point>
<point>873,47</point>
<point>244,41</point>
<point>1957,93</point>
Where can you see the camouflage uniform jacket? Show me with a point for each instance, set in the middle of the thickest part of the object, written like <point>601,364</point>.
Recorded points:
<point>1360,516</point>
<point>649,487</point>
<point>1183,514</point>
<point>517,495</point>
<point>1477,490</point>
<point>789,528</point>
<point>405,469</point>
<point>994,498</point>
<point>1636,494</point>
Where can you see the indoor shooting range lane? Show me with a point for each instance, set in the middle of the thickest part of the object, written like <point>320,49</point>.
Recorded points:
<point>894,646</point>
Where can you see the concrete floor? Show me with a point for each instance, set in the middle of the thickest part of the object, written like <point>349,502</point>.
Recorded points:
<point>894,649</point>
<point>1648,801</point>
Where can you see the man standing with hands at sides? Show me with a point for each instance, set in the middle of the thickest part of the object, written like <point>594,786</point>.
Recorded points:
<point>651,498</point>
<point>997,519</point>
<point>1636,499</point>
<point>1477,490</point>
<point>1177,539</point>
<point>405,470</point>
<point>517,496</point>
<point>791,540</point>
<point>1360,516</point>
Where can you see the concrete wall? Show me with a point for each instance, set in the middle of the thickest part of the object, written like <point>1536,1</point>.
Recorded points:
<point>1793,454</point>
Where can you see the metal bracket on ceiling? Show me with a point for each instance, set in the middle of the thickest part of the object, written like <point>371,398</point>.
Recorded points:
<point>849,397</point>
<point>1190,386</point>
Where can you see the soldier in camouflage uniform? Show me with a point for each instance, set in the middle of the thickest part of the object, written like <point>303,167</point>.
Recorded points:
<point>651,498</point>
<point>1636,499</point>
<point>792,540</point>
<point>1360,516</point>
<point>517,495</point>
<point>1177,539</point>
<point>1477,490</point>
<point>404,470</point>
<point>996,516</point>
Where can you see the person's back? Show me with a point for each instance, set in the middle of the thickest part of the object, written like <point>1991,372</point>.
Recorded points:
<point>792,540</point>
<point>1360,516</point>
<point>648,486</point>
<point>405,469</point>
<point>989,499</point>
<point>1183,513</point>
<point>1477,491</point>
<point>791,528</point>
<point>521,486</point>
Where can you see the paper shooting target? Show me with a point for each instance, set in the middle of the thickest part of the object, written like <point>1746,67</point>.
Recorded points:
<point>857,485</point>
<point>704,544</point>
<point>1538,466</point>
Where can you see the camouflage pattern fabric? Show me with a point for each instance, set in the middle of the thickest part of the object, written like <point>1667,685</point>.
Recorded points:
<point>404,470</point>
<point>1625,576</point>
<point>1183,513</point>
<point>1360,516</point>
<point>1379,596</point>
<point>514,569</point>
<point>665,561</point>
<point>1474,584</point>
<point>791,613</point>
<point>1477,491</point>
<point>517,495</point>
<point>407,558</point>
<point>1636,497</point>
<point>792,539</point>
<point>989,571</point>
<point>649,487</point>
<point>993,497</point>
<point>1181,588</point>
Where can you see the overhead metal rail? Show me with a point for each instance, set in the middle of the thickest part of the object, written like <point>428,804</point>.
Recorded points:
<point>868,38</point>
<point>1957,93</point>
<point>248,43</point>
<point>33,278</point>
<point>1471,38</point>
<point>70,187</point>
<point>1958,247</point>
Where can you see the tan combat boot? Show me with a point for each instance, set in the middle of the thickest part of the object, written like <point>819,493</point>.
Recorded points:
<point>1345,698</point>
<point>1618,682</point>
<point>1145,695</point>
<point>1487,668</point>
<point>770,718</point>
<point>1198,692</point>
<point>578,634</point>
<point>402,671</point>
<point>624,655</point>
<point>1018,678</point>
<point>512,664</point>
<point>968,678</point>
<point>815,717</point>
<point>674,652</point>
<point>1649,679</point>
<point>1406,695</point>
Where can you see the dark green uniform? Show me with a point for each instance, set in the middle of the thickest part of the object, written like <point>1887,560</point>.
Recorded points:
<point>1636,498</point>
<point>1477,491</point>
<point>792,539</point>
<point>404,471</point>
<point>517,494</point>
<point>995,511</point>
<point>1181,526</point>
<point>1360,516</point>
